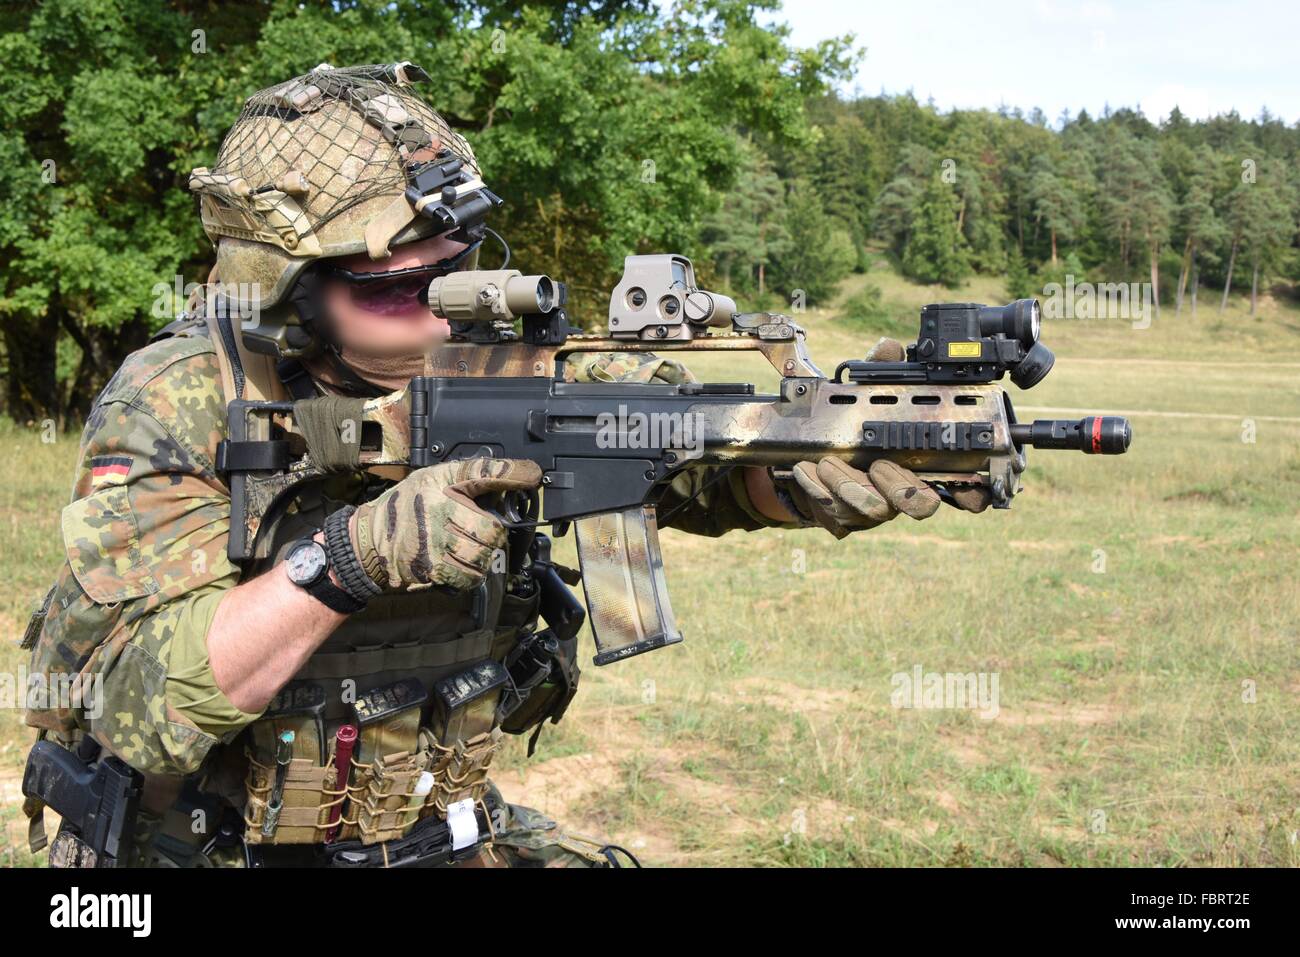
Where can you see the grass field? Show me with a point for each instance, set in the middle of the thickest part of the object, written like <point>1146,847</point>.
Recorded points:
<point>1142,614</point>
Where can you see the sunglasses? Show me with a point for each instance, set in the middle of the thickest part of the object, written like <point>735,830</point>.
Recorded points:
<point>429,271</point>
<point>396,290</point>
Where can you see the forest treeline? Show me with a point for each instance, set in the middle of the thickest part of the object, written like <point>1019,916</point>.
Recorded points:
<point>610,127</point>
<point>1114,198</point>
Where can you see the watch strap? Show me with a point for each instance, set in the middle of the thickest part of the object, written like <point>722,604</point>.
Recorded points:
<point>333,597</point>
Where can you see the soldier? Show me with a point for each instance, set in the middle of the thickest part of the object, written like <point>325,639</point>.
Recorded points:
<point>380,614</point>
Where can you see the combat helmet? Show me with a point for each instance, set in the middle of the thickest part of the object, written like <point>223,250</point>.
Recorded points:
<point>331,163</point>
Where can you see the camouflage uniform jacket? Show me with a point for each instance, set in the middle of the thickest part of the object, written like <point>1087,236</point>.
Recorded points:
<point>145,539</point>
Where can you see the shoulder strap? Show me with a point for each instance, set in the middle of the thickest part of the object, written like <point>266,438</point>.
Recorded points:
<point>296,379</point>
<point>232,372</point>
<point>244,374</point>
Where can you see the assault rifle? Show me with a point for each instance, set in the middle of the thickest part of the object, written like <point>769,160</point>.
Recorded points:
<point>607,451</point>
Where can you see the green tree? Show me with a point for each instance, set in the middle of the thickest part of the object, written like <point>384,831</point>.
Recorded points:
<point>1259,219</point>
<point>1123,177</point>
<point>1019,283</point>
<point>750,229</point>
<point>847,165</point>
<point>936,251</point>
<point>1152,212</point>
<point>1272,228</point>
<point>1198,222</point>
<point>819,252</point>
<point>895,208</point>
<point>973,146</point>
<point>1056,203</point>
<point>608,127</point>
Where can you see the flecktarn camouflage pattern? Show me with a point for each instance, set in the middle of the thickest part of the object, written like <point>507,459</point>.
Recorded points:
<point>145,539</point>
<point>147,524</point>
<point>626,367</point>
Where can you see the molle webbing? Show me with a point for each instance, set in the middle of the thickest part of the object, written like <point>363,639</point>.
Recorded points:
<point>404,658</point>
<point>331,426</point>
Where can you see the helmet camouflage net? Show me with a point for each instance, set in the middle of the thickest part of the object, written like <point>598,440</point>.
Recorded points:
<point>319,166</point>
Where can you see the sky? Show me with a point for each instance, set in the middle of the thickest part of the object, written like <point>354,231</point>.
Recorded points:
<point>1069,54</point>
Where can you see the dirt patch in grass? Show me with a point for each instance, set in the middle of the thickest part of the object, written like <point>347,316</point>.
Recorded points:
<point>947,801</point>
<point>582,792</point>
<point>793,698</point>
<point>1041,713</point>
<point>967,749</point>
<point>919,540</point>
<point>554,786</point>
<point>1038,546</point>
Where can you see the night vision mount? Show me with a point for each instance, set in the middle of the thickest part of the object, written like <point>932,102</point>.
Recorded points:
<point>453,197</point>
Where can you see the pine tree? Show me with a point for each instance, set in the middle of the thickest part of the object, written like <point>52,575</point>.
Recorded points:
<point>1056,203</point>
<point>895,208</point>
<point>937,250</point>
<point>1152,211</point>
<point>819,251</point>
<point>1198,222</point>
<point>750,229</point>
<point>1019,283</point>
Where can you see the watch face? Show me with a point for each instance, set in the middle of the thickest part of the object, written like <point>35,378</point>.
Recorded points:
<point>306,562</point>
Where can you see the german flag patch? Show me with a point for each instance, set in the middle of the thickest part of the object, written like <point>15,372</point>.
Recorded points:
<point>109,470</point>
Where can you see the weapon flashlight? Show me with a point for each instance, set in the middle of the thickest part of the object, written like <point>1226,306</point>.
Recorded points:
<point>1021,320</point>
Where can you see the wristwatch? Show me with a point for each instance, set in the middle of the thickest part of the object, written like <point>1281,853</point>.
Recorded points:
<point>308,567</point>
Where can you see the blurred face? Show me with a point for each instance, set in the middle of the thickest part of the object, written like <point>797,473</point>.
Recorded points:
<point>384,318</point>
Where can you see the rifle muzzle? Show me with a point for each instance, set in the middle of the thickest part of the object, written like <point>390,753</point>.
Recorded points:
<point>1093,434</point>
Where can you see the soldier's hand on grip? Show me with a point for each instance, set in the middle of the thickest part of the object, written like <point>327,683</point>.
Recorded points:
<point>427,529</point>
<point>842,499</point>
<point>833,494</point>
<point>969,498</point>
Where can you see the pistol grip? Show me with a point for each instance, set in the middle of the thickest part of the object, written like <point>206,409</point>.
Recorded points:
<point>623,577</point>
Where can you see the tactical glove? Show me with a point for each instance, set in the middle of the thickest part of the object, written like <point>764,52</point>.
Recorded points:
<point>841,499</point>
<point>427,529</point>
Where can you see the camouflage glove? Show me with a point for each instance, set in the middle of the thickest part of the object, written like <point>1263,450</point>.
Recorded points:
<point>427,530</point>
<point>841,499</point>
<point>968,498</point>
